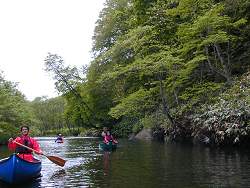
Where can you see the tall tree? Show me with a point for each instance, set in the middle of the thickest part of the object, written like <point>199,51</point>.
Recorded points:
<point>67,82</point>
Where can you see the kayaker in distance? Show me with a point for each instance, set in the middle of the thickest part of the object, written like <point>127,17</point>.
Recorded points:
<point>26,140</point>
<point>59,138</point>
<point>107,136</point>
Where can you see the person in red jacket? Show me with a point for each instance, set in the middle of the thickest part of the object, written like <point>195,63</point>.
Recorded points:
<point>26,140</point>
<point>108,137</point>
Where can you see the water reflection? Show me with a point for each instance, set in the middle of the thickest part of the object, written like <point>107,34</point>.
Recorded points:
<point>106,161</point>
<point>139,164</point>
<point>59,174</point>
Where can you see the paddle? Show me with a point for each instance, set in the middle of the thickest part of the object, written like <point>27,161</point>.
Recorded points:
<point>57,160</point>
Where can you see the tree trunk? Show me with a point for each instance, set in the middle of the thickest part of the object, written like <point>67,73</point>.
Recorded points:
<point>225,70</point>
<point>225,66</point>
<point>164,104</point>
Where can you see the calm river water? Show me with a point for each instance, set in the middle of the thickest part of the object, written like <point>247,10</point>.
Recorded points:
<point>139,165</point>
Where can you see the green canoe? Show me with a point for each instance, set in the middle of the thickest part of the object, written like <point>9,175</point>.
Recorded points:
<point>107,147</point>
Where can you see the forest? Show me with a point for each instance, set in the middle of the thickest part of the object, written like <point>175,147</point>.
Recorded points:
<point>177,65</point>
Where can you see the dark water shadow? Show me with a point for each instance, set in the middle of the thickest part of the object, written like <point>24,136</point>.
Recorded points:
<point>34,183</point>
<point>57,175</point>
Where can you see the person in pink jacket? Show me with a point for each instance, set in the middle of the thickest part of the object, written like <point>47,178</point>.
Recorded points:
<point>26,140</point>
<point>108,137</point>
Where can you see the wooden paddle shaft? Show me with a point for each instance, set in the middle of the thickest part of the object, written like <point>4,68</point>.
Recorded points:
<point>57,160</point>
<point>27,147</point>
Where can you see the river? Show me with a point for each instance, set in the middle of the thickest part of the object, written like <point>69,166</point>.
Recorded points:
<point>139,164</point>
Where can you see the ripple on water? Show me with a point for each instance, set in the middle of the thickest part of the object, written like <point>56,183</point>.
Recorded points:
<point>74,173</point>
<point>141,165</point>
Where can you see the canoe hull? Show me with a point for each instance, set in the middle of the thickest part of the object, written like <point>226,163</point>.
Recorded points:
<point>16,170</point>
<point>107,147</point>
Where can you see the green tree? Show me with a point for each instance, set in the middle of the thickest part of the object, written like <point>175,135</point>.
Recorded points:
<point>49,114</point>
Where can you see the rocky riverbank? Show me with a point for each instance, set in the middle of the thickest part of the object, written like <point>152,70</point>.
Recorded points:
<point>225,122</point>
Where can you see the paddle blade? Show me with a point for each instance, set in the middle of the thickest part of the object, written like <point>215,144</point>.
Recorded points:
<point>57,160</point>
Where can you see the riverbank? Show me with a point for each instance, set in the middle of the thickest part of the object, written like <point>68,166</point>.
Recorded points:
<point>224,121</point>
<point>7,131</point>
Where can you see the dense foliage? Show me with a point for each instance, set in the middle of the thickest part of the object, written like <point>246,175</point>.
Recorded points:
<point>173,64</point>
<point>14,109</point>
<point>159,64</point>
<point>160,61</point>
<point>228,120</point>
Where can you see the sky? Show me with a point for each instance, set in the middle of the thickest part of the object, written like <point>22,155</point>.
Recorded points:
<point>30,29</point>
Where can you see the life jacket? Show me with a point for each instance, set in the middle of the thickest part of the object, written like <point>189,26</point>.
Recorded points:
<point>27,142</point>
<point>59,138</point>
<point>108,136</point>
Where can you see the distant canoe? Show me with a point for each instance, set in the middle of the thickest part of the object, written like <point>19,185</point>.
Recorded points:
<point>107,147</point>
<point>15,170</point>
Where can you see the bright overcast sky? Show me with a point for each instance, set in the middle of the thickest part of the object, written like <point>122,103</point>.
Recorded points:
<point>29,29</point>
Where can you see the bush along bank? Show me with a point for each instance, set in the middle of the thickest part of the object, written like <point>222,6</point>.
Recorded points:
<point>7,131</point>
<point>226,122</point>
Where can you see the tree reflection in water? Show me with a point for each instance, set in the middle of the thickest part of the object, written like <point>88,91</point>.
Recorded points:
<point>106,162</point>
<point>58,174</point>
